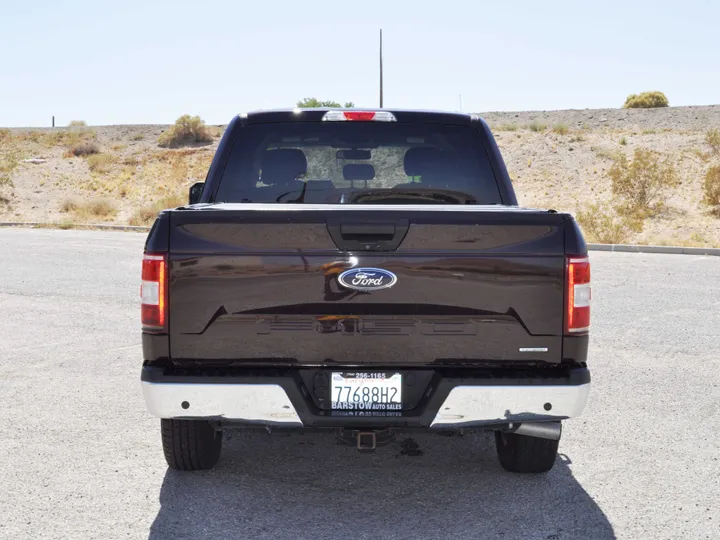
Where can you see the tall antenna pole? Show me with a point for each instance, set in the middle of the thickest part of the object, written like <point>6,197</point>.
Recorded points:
<point>381,71</point>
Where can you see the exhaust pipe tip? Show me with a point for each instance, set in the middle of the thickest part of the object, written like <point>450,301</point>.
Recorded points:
<point>541,430</point>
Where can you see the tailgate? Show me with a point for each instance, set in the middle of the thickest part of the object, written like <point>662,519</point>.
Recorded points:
<point>278,284</point>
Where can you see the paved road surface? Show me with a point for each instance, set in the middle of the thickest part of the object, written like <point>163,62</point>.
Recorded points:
<point>80,458</point>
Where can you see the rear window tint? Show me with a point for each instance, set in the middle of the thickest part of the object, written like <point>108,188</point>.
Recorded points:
<point>358,162</point>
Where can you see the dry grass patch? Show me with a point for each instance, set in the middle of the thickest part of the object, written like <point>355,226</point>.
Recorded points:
<point>100,163</point>
<point>147,214</point>
<point>607,153</point>
<point>561,129</point>
<point>537,126</point>
<point>92,209</point>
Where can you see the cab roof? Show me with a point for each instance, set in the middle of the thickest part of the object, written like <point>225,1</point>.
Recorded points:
<point>317,114</point>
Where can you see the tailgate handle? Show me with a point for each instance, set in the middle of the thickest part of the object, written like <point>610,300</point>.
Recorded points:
<point>380,235</point>
<point>374,230</point>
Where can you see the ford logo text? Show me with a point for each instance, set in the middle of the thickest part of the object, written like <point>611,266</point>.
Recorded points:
<point>367,279</point>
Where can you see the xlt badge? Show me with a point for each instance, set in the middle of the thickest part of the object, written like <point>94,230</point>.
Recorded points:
<point>367,279</point>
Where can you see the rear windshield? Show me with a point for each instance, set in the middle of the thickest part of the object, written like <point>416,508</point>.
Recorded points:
<point>358,163</point>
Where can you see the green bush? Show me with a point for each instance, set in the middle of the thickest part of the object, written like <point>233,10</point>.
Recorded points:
<point>711,189</point>
<point>187,130</point>
<point>646,100</point>
<point>314,103</point>
<point>606,226</point>
<point>641,185</point>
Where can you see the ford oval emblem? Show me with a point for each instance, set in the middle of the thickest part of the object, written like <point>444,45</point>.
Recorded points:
<point>367,279</point>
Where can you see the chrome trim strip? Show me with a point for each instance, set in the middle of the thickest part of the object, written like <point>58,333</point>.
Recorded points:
<point>266,404</point>
<point>466,406</point>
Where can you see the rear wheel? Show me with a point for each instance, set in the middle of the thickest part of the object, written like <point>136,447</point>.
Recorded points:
<point>190,445</point>
<point>524,454</point>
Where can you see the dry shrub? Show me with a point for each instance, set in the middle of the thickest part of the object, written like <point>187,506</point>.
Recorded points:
<point>9,159</point>
<point>646,100</point>
<point>560,128</point>
<point>77,123</point>
<point>85,210</point>
<point>604,225</point>
<point>642,184</point>
<point>100,163</point>
<point>147,214</point>
<point>711,189</point>
<point>187,130</point>
<point>712,138</point>
<point>83,148</point>
<point>69,205</point>
<point>5,135</point>
<point>536,126</point>
<point>506,127</point>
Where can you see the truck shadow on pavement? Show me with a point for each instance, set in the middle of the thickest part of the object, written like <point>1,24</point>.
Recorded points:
<point>304,485</point>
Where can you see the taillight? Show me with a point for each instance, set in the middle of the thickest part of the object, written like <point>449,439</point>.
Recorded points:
<point>577,277</point>
<point>153,291</point>
<point>359,116</point>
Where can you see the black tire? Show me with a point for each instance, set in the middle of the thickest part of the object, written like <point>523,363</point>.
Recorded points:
<point>524,454</point>
<point>190,445</point>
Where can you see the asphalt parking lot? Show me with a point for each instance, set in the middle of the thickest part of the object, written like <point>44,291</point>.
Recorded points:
<point>81,459</point>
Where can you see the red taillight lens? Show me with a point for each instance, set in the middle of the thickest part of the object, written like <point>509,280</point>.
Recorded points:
<point>153,291</point>
<point>578,295</point>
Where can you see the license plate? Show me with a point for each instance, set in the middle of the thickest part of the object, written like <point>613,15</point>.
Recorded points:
<point>366,391</point>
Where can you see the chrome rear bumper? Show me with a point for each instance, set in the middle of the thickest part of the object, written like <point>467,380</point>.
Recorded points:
<point>265,404</point>
<point>468,406</point>
<point>269,404</point>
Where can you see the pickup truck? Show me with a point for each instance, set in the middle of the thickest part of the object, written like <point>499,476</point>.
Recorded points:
<point>369,272</point>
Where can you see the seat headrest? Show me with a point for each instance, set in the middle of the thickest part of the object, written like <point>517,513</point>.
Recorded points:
<point>283,165</point>
<point>423,159</point>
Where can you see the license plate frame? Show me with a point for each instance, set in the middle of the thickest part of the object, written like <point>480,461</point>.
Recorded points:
<point>355,391</point>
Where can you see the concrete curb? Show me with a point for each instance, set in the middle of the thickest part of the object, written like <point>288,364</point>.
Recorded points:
<point>672,250</point>
<point>33,224</point>
<point>626,248</point>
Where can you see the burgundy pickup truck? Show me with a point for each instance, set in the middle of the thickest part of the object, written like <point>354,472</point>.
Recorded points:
<point>369,272</point>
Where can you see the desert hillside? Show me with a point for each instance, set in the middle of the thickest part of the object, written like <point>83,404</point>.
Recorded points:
<point>557,159</point>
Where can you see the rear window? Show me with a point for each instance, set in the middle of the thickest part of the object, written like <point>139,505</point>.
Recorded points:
<point>358,163</point>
